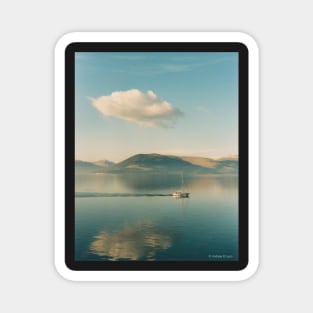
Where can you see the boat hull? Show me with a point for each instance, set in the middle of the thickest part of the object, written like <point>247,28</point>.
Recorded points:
<point>179,194</point>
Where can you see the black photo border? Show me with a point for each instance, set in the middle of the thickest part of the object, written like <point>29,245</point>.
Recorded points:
<point>243,199</point>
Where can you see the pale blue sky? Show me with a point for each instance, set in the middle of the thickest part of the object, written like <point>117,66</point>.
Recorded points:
<point>203,86</point>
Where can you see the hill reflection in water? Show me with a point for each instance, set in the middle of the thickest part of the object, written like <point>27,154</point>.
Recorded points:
<point>110,183</point>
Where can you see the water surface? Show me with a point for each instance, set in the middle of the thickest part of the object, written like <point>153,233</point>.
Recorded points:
<point>134,217</point>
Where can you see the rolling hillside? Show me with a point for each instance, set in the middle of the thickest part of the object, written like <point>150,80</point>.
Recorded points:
<point>157,163</point>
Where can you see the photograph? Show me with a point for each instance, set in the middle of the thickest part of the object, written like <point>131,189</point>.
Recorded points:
<point>156,156</point>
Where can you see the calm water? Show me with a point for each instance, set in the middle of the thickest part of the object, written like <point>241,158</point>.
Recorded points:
<point>134,217</point>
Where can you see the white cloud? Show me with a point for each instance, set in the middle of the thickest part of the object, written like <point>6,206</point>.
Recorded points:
<point>144,109</point>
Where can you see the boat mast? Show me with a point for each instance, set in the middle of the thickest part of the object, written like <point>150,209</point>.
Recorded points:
<point>182,182</point>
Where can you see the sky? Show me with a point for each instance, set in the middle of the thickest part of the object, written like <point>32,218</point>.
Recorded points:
<point>172,103</point>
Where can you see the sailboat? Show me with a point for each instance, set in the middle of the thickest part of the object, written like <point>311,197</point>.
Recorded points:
<point>181,193</point>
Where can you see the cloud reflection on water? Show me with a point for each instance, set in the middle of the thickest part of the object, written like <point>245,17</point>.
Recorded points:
<point>132,242</point>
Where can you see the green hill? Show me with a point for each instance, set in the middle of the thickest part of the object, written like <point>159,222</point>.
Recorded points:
<point>87,167</point>
<point>157,163</point>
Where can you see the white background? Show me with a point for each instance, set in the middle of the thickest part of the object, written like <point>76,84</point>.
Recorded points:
<point>29,30</point>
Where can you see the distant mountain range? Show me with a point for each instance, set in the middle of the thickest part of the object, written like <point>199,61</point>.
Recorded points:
<point>157,163</point>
